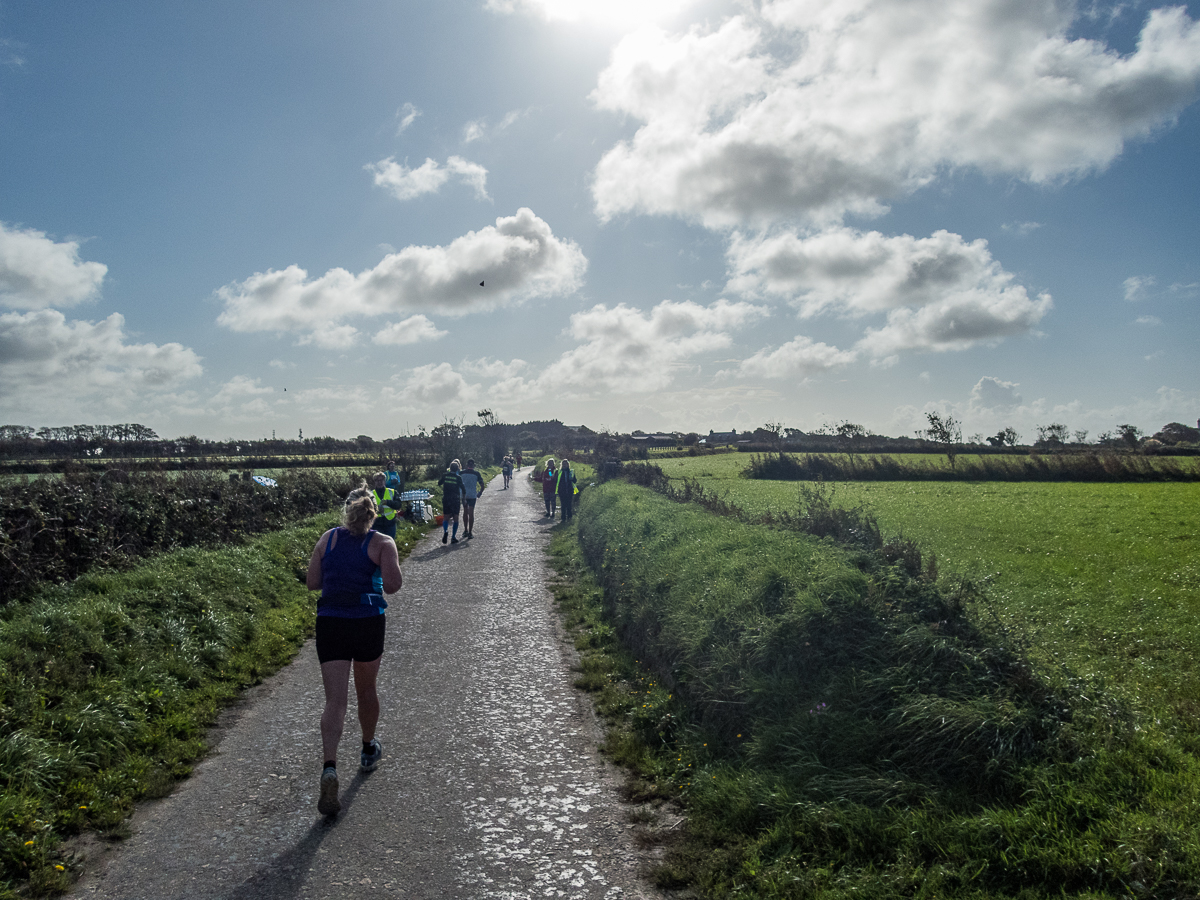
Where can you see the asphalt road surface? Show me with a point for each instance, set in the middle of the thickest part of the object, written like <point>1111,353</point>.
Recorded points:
<point>490,784</point>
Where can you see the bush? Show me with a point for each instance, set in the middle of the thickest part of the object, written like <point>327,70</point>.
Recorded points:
<point>55,529</point>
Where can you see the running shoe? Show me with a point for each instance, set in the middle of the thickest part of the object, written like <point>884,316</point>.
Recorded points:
<point>329,804</point>
<point>445,536</point>
<point>371,760</point>
<point>453,540</point>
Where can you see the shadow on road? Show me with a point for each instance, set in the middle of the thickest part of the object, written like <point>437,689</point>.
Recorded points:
<point>284,877</point>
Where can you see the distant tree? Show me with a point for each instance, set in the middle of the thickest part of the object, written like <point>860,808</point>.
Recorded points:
<point>1130,434</point>
<point>1053,435</point>
<point>16,432</point>
<point>1081,436</point>
<point>945,430</point>
<point>1178,433</point>
<point>976,438</point>
<point>446,441</point>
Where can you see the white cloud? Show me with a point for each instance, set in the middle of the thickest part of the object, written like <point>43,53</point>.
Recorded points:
<point>1149,320</point>
<point>405,183</point>
<point>625,350</point>
<point>241,398</point>
<point>480,130</point>
<point>799,358</point>
<point>517,258</point>
<point>494,368</point>
<point>405,116</point>
<point>956,323</point>
<point>332,337</point>
<point>436,386</point>
<point>862,272</point>
<point>37,272</point>
<point>413,330</point>
<point>993,393</point>
<point>1137,286</point>
<point>618,13</point>
<point>813,109</point>
<point>341,399</point>
<point>474,130</point>
<point>49,363</point>
<point>940,292</point>
<point>1021,228</point>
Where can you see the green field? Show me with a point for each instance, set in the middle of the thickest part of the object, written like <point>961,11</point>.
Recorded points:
<point>1104,578</point>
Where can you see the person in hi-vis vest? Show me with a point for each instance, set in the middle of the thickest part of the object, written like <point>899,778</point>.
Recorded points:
<point>387,504</point>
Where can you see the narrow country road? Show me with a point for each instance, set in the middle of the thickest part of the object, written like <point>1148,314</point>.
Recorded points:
<point>490,785</point>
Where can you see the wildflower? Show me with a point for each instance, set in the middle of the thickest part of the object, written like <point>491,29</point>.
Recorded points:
<point>60,868</point>
<point>29,843</point>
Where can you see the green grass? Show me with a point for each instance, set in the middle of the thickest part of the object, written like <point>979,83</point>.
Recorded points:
<point>108,684</point>
<point>838,729</point>
<point>1104,578</point>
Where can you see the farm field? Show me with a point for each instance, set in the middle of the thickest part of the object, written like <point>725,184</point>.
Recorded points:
<point>1104,578</point>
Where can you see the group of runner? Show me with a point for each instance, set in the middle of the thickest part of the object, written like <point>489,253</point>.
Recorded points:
<point>460,490</point>
<point>354,566</point>
<point>559,486</point>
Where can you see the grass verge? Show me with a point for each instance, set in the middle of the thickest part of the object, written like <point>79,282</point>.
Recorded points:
<point>108,685</point>
<point>837,726</point>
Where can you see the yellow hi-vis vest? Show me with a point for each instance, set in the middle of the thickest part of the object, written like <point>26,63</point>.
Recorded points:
<point>386,511</point>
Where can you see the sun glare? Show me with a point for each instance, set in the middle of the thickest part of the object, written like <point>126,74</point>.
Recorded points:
<point>610,13</point>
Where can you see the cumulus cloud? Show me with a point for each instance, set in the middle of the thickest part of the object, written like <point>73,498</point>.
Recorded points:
<point>334,337</point>
<point>436,386</point>
<point>956,323</point>
<point>626,350</point>
<point>405,183</point>
<point>241,397</point>
<point>517,258</point>
<point>37,271</point>
<point>1148,320</point>
<point>413,330</point>
<point>799,358</point>
<point>494,368</point>
<point>46,359</point>
<point>940,292</point>
<point>812,109</point>
<point>993,393</point>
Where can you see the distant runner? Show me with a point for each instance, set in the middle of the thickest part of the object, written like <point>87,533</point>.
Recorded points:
<point>472,490</point>
<point>565,488</point>
<point>548,484</point>
<point>506,467</point>
<point>452,494</point>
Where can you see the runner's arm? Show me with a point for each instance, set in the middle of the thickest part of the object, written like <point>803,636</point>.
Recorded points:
<point>384,554</point>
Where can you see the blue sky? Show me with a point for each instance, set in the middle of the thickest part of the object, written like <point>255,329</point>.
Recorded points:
<point>229,219</point>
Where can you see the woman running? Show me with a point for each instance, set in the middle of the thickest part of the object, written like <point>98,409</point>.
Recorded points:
<point>350,629</point>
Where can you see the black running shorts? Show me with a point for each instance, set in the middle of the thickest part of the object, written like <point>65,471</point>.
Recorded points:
<point>355,639</point>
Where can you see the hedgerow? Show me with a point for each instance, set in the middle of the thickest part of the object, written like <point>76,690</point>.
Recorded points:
<point>54,529</point>
<point>839,724</point>
<point>1088,467</point>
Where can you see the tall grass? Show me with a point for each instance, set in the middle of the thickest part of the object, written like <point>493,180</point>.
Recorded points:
<point>1089,467</point>
<point>839,726</point>
<point>107,685</point>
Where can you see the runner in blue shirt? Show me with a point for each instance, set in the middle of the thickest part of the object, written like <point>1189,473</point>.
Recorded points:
<point>472,490</point>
